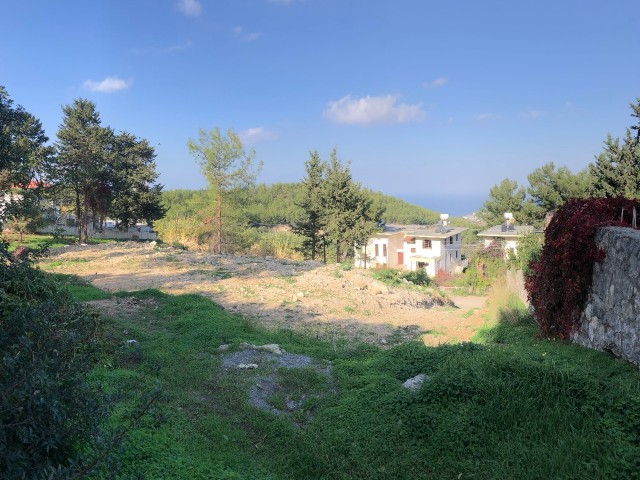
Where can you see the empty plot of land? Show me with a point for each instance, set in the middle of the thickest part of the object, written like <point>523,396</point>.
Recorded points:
<point>322,300</point>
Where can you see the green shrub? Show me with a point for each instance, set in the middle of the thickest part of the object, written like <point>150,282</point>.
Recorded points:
<point>48,344</point>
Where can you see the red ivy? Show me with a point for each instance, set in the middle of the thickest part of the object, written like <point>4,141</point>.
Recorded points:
<point>558,283</point>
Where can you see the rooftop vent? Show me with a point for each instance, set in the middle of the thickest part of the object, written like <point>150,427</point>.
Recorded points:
<point>508,225</point>
<point>443,224</point>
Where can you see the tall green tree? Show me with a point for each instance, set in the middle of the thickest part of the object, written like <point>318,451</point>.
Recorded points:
<point>23,155</point>
<point>616,171</point>
<point>550,188</point>
<point>349,218</point>
<point>226,166</point>
<point>135,194</point>
<point>82,167</point>
<point>311,226</point>
<point>507,196</point>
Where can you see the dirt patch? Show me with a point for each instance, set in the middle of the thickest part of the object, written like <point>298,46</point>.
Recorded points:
<point>283,384</point>
<point>121,307</point>
<point>320,300</point>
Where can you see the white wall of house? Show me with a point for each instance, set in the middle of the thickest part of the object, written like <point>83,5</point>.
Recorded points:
<point>508,244</point>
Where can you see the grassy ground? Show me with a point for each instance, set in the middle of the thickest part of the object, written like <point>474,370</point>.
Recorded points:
<point>508,406</point>
<point>39,240</point>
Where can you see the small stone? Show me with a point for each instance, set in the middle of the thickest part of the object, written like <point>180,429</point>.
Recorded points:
<point>247,366</point>
<point>270,347</point>
<point>300,294</point>
<point>414,383</point>
<point>224,347</point>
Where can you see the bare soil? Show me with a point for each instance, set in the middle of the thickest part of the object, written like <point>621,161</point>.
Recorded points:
<point>321,300</point>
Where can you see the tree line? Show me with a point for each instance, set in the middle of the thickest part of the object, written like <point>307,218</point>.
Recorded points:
<point>614,173</point>
<point>90,170</point>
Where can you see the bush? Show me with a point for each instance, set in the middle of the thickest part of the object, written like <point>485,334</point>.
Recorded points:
<point>558,282</point>
<point>48,344</point>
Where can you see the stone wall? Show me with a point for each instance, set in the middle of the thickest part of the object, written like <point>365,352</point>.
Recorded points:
<point>611,318</point>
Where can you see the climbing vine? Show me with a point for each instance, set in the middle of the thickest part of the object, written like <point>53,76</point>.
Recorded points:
<point>558,282</point>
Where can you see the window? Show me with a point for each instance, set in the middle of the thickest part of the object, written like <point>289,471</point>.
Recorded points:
<point>450,240</point>
<point>457,237</point>
<point>413,250</point>
<point>456,253</point>
<point>426,243</point>
<point>384,249</point>
<point>376,248</point>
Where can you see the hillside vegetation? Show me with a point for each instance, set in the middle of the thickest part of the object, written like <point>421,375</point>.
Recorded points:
<point>508,406</point>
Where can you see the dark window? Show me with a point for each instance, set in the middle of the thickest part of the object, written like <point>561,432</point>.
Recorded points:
<point>450,240</point>
<point>426,243</point>
<point>384,249</point>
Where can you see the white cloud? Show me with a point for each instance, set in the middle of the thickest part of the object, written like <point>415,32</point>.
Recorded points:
<point>190,7</point>
<point>483,117</point>
<point>108,85</point>
<point>436,82</point>
<point>247,36</point>
<point>533,114</point>
<point>368,110</point>
<point>258,134</point>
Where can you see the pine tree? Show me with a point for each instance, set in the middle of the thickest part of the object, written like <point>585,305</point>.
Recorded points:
<point>226,166</point>
<point>82,161</point>
<point>348,213</point>
<point>616,171</point>
<point>135,195</point>
<point>312,225</point>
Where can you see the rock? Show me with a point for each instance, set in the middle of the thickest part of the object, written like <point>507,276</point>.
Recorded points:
<point>300,294</point>
<point>247,366</point>
<point>224,347</point>
<point>131,342</point>
<point>270,347</point>
<point>414,383</point>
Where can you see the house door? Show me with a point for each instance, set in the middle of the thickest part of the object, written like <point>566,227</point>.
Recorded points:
<point>400,258</point>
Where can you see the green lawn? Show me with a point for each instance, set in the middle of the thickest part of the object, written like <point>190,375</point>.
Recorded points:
<point>508,406</point>
<point>39,240</point>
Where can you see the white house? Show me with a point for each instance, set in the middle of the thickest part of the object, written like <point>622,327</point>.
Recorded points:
<point>507,234</point>
<point>433,249</point>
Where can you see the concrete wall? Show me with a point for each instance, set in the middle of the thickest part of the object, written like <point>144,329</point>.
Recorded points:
<point>611,318</point>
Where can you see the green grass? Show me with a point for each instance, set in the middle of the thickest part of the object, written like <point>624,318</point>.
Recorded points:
<point>81,290</point>
<point>508,406</point>
<point>40,240</point>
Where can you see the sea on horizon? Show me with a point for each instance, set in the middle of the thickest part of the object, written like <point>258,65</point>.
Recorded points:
<point>454,205</point>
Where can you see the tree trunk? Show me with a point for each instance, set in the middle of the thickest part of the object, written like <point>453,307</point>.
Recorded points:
<point>219,238</point>
<point>313,247</point>
<point>324,250</point>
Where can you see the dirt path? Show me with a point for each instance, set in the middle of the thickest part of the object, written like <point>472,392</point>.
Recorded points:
<point>320,300</point>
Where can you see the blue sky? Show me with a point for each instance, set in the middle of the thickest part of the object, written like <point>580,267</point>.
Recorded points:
<point>424,98</point>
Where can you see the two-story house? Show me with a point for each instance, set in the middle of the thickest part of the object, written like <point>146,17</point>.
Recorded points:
<point>433,249</point>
